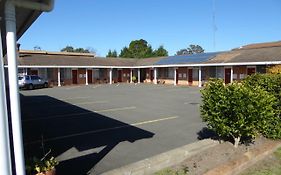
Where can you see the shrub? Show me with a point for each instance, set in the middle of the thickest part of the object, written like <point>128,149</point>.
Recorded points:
<point>274,69</point>
<point>235,110</point>
<point>269,127</point>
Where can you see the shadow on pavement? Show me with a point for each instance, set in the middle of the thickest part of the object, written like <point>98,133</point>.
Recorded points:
<point>206,133</point>
<point>79,138</point>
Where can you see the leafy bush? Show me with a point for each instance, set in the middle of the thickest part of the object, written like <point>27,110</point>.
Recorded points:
<point>271,127</point>
<point>235,110</point>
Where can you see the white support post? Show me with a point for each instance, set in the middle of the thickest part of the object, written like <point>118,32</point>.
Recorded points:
<point>5,159</point>
<point>139,74</point>
<point>175,76</point>
<point>59,77</point>
<point>199,77</point>
<point>155,75</point>
<point>131,75</point>
<point>87,83</point>
<point>13,85</point>
<point>110,76</point>
<point>231,74</point>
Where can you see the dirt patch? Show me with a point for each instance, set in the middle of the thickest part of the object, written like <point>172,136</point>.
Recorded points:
<point>215,156</point>
<point>270,165</point>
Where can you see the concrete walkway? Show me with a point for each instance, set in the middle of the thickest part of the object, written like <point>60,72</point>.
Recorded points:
<point>164,160</point>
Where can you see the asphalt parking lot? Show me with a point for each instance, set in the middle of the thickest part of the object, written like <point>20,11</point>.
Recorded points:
<point>96,128</point>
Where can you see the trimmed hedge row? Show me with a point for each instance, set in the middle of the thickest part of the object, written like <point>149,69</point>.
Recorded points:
<point>243,109</point>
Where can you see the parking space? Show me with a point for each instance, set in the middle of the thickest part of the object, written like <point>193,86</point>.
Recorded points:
<point>103,127</point>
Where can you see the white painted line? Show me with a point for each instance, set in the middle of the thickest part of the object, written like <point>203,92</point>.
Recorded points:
<point>74,87</point>
<point>153,121</point>
<point>104,130</point>
<point>74,98</point>
<point>96,86</point>
<point>82,103</point>
<point>116,109</point>
<point>79,114</point>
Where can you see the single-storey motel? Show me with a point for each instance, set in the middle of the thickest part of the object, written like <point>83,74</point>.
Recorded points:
<point>62,68</point>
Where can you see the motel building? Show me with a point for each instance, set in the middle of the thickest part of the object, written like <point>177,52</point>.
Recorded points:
<point>64,68</point>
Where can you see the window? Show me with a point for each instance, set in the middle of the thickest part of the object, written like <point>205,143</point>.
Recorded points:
<point>170,72</point>
<point>220,72</point>
<point>96,73</point>
<point>65,73</point>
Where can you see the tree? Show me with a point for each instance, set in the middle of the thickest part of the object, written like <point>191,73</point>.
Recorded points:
<point>109,53</point>
<point>160,52</point>
<point>125,53</point>
<point>141,49</point>
<point>112,54</point>
<point>192,49</point>
<point>72,49</point>
<point>67,49</point>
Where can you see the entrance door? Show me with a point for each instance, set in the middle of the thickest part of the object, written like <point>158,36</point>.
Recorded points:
<point>33,72</point>
<point>190,75</point>
<point>251,71</point>
<point>227,75</point>
<point>119,75</point>
<point>90,76</point>
<point>151,75</point>
<point>74,77</point>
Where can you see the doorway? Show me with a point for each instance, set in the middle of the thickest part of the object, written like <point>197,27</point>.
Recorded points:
<point>227,75</point>
<point>74,77</point>
<point>90,76</point>
<point>190,75</point>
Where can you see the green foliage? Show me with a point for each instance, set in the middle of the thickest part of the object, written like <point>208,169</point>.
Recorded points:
<point>112,54</point>
<point>192,49</point>
<point>270,127</point>
<point>72,49</point>
<point>160,52</point>
<point>168,171</point>
<point>45,165</point>
<point>141,49</point>
<point>235,110</point>
<point>134,79</point>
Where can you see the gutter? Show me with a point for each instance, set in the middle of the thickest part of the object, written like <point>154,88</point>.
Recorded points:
<point>45,7</point>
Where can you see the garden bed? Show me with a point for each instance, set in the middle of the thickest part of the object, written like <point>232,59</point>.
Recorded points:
<point>214,157</point>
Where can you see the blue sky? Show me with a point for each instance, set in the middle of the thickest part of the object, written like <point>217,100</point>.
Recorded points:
<point>112,24</point>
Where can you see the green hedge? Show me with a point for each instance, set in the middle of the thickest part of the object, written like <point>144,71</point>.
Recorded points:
<point>236,110</point>
<point>271,83</point>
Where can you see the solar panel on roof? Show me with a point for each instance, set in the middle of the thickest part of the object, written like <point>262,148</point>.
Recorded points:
<point>186,59</point>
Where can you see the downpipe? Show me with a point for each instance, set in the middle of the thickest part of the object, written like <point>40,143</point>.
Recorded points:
<point>10,19</point>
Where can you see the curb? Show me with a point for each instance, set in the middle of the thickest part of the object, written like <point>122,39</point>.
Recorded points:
<point>243,162</point>
<point>164,160</point>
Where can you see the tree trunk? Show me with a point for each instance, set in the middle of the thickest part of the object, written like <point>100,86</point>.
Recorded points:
<point>236,142</point>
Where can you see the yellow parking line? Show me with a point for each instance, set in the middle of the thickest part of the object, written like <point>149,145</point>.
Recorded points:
<point>104,130</point>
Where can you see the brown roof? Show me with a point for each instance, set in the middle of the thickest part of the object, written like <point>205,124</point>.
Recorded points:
<point>261,45</point>
<point>148,61</point>
<point>262,54</point>
<point>71,60</point>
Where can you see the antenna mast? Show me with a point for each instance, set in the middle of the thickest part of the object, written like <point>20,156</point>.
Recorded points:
<point>214,24</point>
